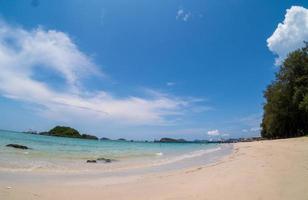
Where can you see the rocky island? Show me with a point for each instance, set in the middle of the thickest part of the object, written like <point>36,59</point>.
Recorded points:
<point>171,140</point>
<point>64,131</point>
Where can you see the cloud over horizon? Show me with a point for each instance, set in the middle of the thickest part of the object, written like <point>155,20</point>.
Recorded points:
<point>25,54</point>
<point>213,132</point>
<point>290,34</point>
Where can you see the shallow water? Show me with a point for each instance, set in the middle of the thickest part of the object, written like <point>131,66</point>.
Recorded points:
<point>69,155</point>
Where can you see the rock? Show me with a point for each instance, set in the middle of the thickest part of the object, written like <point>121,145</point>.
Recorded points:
<point>17,146</point>
<point>107,160</point>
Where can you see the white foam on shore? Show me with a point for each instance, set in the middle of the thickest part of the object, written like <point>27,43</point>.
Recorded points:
<point>162,160</point>
<point>190,155</point>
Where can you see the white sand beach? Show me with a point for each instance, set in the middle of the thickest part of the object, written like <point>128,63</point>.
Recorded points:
<point>276,169</point>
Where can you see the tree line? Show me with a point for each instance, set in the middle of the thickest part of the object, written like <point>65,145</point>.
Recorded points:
<point>286,98</point>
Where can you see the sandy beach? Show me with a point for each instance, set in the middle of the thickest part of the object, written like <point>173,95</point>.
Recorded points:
<point>276,169</point>
<point>153,100</point>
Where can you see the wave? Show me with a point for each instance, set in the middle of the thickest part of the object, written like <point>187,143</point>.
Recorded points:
<point>190,155</point>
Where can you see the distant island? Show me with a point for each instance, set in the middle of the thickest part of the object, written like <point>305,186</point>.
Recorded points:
<point>64,131</point>
<point>230,140</point>
<point>104,138</point>
<point>121,139</point>
<point>171,140</point>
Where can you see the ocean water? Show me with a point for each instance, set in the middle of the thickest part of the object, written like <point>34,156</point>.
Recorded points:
<point>68,154</point>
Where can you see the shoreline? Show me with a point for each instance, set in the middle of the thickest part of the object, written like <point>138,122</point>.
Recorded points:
<point>67,155</point>
<point>270,169</point>
<point>141,166</point>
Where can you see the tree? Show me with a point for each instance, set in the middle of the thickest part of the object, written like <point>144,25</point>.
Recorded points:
<point>63,131</point>
<point>286,107</point>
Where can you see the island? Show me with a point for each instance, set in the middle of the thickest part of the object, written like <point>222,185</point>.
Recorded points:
<point>65,131</point>
<point>230,140</point>
<point>171,140</point>
<point>104,138</point>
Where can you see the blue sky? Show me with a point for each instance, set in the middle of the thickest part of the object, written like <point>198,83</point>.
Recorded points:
<point>140,69</point>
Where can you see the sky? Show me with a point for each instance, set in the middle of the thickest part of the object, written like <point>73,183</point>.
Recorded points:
<point>143,69</point>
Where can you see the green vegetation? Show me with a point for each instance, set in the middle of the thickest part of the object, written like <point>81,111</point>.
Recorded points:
<point>90,137</point>
<point>286,108</point>
<point>63,131</point>
<point>172,140</point>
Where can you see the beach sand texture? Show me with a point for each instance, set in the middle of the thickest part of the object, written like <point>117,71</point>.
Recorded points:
<point>276,169</point>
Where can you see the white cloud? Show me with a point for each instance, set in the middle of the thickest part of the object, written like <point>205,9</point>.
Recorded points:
<point>290,34</point>
<point>24,53</point>
<point>180,13</point>
<point>255,129</point>
<point>244,130</point>
<point>213,132</point>
<point>169,84</point>
<point>183,15</point>
<point>186,17</point>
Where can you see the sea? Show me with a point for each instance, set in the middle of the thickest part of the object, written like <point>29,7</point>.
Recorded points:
<point>70,155</point>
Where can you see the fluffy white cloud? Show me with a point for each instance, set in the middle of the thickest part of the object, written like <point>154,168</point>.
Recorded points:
<point>26,53</point>
<point>183,15</point>
<point>290,34</point>
<point>213,132</point>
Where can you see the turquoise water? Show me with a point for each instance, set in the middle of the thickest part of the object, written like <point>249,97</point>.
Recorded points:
<point>52,152</point>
